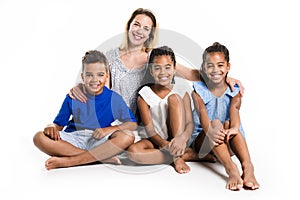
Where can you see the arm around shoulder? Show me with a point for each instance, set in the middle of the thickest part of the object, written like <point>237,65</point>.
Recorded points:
<point>78,92</point>
<point>231,82</point>
<point>187,73</point>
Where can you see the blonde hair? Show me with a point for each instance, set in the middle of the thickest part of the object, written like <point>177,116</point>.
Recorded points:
<point>151,41</point>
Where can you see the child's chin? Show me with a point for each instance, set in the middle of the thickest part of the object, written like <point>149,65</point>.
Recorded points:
<point>216,80</point>
<point>93,91</point>
<point>166,83</point>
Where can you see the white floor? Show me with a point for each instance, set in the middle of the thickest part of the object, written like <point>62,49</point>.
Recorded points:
<point>26,177</point>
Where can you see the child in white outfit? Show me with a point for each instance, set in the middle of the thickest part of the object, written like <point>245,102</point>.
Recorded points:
<point>166,115</point>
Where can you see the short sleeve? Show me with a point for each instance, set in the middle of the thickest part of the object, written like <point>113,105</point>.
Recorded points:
<point>120,110</point>
<point>201,89</point>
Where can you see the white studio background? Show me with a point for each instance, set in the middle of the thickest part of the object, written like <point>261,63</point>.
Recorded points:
<point>42,42</point>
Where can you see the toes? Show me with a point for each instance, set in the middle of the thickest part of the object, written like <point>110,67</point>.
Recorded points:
<point>248,185</point>
<point>251,186</point>
<point>234,186</point>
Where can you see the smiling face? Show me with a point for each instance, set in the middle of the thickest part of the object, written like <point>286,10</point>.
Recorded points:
<point>163,70</point>
<point>216,67</point>
<point>94,77</point>
<point>140,29</point>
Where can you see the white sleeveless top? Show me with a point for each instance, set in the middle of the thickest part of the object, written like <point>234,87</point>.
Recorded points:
<point>159,108</point>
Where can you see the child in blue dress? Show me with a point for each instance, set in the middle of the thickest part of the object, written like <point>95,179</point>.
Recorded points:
<point>89,135</point>
<point>220,129</point>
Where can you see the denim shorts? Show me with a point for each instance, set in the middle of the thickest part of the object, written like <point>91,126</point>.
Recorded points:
<point>83,139</point>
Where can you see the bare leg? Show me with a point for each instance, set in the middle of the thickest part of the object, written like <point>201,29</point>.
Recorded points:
<point>202,150</point>
<point>55,148</point>
<point>118,142</point>
<point>239,147</point>
<point>176,115</point>
<point>191,156</point>
<point>144,152</point>
<point>176,124</point>
<point>234,181</point>
<point>113,160</point>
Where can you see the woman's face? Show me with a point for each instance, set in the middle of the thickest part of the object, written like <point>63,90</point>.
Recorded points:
<point>139,30</point>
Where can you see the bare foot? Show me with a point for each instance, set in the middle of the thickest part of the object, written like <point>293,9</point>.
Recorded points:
<point>57,162</point>
<point>234,182</point>
<point>113,160</point>
<point>180,166</point>
<point>190,155</point>
<point>249,178</point>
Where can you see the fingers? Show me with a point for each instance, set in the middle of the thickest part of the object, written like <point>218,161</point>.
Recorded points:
<point>98,133</point>
<point>172,150</point>
<point>176,149</point>
<point>176,152</point>
<point>219,138</point>
<point>57,136</point>
<point>219,141</point>
<point>230,134</point>
<point>227,138</point>
<point>71,94</point>
<point>232,82</point>
<point>242,89</point>
<point>231,86</point>
<point>78,93</point>
<point>52,133</point>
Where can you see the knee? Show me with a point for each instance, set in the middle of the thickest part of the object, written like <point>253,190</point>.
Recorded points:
<point>133,153</point>
<point>133,148</point>
<point>128,137</point>
<point>174,99</point>
<point>37,138</point>
<point>215,123</point>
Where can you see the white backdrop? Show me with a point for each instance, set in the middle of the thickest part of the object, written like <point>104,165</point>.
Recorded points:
<point>42,42</point>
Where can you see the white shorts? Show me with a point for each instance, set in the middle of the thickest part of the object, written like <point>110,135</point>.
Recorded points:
<point>83,139</point>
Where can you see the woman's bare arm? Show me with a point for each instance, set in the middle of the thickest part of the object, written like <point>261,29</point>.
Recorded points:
<point>192,74</point>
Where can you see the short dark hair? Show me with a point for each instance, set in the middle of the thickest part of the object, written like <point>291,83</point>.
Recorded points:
<point>94,56</point>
